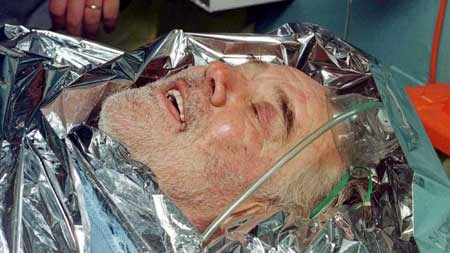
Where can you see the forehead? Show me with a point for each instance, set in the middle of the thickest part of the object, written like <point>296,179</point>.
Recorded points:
<point>294,82</point>
<point>253,70</point>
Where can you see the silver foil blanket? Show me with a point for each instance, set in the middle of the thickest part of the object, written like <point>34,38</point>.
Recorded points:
<point>54,160</point>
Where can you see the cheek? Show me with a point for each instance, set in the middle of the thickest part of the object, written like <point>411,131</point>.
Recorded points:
<point>236,147</point>
<point>233,167</point>
<point>254,169</point>
<point>227,130</point>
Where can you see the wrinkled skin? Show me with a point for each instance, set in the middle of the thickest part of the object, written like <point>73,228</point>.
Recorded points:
<point>234,130</point>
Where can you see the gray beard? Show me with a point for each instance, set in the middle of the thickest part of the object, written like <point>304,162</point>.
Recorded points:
<point>192,184</point>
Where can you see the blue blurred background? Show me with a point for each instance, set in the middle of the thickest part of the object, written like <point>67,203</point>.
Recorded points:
<point>398,32</point>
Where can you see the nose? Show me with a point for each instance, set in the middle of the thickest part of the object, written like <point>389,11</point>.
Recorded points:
<point>226,83</point>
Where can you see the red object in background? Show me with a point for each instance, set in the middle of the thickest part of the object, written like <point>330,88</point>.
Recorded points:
<point>436,40</point>
<point>432,103</point>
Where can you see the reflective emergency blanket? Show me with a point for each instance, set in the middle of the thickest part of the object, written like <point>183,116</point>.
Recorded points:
<point>60,177</point>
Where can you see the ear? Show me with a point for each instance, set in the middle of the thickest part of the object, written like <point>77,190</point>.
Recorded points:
<point>245,210</point>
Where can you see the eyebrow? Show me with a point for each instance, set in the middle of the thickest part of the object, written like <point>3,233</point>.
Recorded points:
<point>286,108</point>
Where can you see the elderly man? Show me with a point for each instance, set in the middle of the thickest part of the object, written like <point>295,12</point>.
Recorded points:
<point>208,132</point>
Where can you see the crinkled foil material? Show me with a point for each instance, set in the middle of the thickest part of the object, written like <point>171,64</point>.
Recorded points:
<point>51,89</point>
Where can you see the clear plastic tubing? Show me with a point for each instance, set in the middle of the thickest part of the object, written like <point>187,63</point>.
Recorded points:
<point>285,159</point>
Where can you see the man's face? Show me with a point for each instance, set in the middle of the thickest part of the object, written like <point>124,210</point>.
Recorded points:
<point>228,127</point>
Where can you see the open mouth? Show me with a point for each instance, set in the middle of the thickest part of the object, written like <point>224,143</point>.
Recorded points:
<point>176,102</point>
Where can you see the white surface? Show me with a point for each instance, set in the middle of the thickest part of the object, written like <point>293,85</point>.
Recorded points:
<point>220,5</point>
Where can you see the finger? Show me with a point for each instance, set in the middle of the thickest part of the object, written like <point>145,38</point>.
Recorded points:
<point>92,16</point>
<point>74,16</point>
<point>57,9</point>
<point>110,13</point>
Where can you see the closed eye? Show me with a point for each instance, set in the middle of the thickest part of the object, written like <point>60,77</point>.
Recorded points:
<point>265,113</point>
<point>255,111</point>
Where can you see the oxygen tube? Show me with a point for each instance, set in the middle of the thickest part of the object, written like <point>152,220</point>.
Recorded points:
<point>347,114</point>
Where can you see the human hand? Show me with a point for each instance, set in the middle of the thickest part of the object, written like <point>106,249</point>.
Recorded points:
<point>84,16</point>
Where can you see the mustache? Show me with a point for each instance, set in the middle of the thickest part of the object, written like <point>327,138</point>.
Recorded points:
<point>198,95</point>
